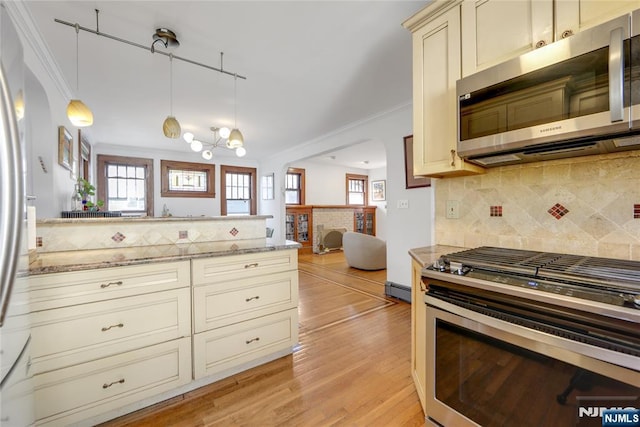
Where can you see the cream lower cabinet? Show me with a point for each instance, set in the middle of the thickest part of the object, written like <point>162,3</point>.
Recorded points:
<point>418,333</point>
<point>436,67</point>
<point>245,311</point>
<point>106,338</point>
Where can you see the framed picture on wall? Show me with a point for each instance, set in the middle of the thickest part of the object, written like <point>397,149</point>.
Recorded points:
<point>65,148</point>
<point>378,190</point>
<point>411,180</point>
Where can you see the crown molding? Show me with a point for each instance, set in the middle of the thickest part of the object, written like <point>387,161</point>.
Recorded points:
<point>29,31</point>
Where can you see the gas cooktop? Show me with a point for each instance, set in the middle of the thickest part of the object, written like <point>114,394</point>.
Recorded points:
<point>604,280</point>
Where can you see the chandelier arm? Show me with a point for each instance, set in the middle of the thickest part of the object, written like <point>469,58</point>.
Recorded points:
<point>147,48</point>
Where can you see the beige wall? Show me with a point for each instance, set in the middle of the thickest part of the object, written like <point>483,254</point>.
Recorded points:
<point>599,193</point>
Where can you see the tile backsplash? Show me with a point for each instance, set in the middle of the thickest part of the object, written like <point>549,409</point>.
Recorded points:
<point>585,205</point>
<point>74,234</point>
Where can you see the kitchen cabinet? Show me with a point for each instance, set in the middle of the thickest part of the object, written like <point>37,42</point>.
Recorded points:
<point>494,30</point>
<point>245,311</point>
<point>299,226</point>
<point>102,339</point>
<point>364,220</point>
<point>418,333</point>
<point>436,67</point>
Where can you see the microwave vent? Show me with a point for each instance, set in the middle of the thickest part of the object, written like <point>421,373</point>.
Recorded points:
<point>488,161</point>
<point>627,142</point>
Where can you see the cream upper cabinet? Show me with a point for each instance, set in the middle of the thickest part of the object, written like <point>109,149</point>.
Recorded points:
<point>496,30</point>
<point>436,67</point>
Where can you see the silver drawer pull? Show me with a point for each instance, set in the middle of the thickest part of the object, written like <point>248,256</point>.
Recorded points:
<point>106,285</point>
<point>254,265</point>
<point>105,385</point>
<point>119,325</point>
<point>252,340</point>
<point>249,299</point>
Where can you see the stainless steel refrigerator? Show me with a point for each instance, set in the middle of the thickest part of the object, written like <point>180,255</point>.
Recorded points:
<point>16,391</point>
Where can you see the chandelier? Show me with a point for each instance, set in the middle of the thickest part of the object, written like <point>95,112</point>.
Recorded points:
<point>221,138</point>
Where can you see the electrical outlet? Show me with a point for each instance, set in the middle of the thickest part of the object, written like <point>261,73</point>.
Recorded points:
<point>453,209</point>
<point>403,204</point>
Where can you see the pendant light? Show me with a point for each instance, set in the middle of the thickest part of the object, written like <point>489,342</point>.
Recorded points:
<point>236,140</point>
<point>78,113</point>
<point>171,127</point>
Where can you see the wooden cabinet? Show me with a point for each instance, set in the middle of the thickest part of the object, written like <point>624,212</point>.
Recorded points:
<point>436,67</point>
<point>245,311</point>
<point>69,395</point>
<point>418,333</point>
<point>299,225</point>
<point>364,220</point>
<point>105,338</point>
<point>495,30</point>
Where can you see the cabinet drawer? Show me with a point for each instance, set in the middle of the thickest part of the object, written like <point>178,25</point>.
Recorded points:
<point>211,270</point>
<point>69,395</point>
<point>71,335</point>
<point>225,303</point>
<point>224,348</point>
<point>80,287</point>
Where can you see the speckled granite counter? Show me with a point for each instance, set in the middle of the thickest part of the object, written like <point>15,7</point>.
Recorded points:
<point>428,254</point>
<point>57,262</point>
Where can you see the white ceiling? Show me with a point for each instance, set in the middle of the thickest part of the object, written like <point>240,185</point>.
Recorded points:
<point>312,67</point>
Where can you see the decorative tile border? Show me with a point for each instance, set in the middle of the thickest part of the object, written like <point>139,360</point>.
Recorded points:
<point>558,211</point>
<point>95,234</point>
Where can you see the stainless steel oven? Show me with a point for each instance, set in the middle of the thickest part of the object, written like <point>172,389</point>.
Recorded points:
<point>509,348</point>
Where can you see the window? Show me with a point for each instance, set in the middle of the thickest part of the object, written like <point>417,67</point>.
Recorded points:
<point>294,187</point>
<point>267,189</point>
<point>183,179</point>
<point>357,189</point>
<point>126,184</point>
<point>238,190</point>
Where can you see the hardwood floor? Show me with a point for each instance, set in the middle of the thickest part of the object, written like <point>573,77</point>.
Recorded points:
<point>352,365</point>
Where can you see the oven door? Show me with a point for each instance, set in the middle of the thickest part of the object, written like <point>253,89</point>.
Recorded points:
<point>489,372</point>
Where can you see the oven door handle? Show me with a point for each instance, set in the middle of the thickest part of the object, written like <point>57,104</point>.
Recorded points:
<point>616,75</point>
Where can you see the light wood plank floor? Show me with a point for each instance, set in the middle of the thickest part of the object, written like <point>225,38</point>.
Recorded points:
<point>352,366</point>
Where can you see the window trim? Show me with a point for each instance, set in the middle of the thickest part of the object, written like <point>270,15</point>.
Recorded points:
<point>365,188</point>
<point>253,207</point>
<point>104,160</point>
<point>301,172</point>
<point>168,165</point>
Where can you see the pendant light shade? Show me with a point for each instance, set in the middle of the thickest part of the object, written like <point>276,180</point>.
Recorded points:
<point>79,114</point>
<point>171,127</point>
<point>235,139</point>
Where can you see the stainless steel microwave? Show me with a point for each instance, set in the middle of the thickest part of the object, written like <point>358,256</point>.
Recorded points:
<point>577,96</point>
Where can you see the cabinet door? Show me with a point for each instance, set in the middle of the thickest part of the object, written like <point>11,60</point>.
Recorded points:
<point>224,303</point>
<point>436,67</point>
<point>230,347</point>
<point>496,30</point>
<point>418,333</point>
<point>68,396</point>
<point>573,16</point>
<point>70,335</point>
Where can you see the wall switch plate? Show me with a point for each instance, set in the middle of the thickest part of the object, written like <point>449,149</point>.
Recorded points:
<point>453,209</point>
<point>403,204</point>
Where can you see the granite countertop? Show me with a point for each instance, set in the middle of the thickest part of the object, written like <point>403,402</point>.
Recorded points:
<point>58,262</point>
<point>428,254</point>
<point>150,219</point>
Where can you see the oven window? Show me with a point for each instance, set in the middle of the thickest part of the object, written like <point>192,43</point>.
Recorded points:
<point>495,383</point>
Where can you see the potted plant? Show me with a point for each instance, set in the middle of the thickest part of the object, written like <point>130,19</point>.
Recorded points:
<point>86,189</point>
